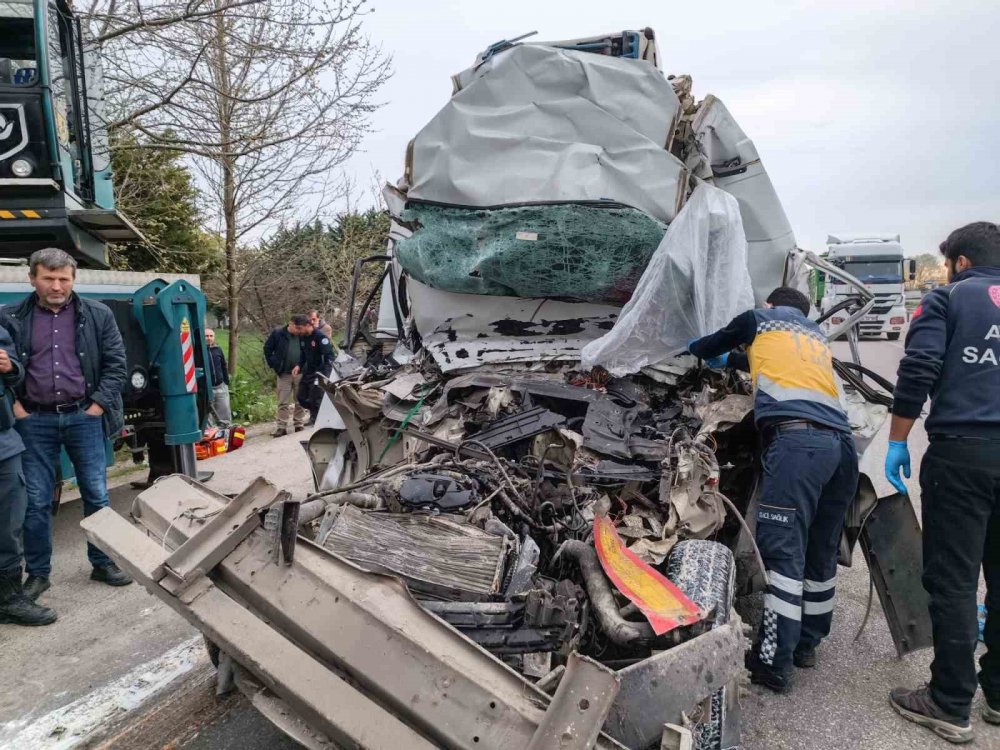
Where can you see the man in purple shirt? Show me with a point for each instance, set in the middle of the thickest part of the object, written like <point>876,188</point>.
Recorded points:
<point>74,362</point>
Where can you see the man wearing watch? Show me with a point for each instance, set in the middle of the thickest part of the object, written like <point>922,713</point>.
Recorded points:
<point>70,398</point>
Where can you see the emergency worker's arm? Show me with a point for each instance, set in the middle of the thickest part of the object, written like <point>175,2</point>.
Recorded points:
<point>921,366</point>
<point>738,361</point>
<point>741,331</point>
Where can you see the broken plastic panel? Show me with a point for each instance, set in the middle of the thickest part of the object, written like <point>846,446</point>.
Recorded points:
<point>696,282</point>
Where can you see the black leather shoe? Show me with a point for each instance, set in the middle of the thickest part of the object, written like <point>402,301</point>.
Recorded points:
<point>763,675</point>
<point>110,574</point>
<point>35,586</point>
<point>804,657</point>
<point>17,608</point>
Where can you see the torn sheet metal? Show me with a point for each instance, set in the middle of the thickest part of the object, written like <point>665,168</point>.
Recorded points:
<point>463,331</point>
<point>665,687</point>
<point>537,123</point>
<point>664,605</point>
<point>891,543</point>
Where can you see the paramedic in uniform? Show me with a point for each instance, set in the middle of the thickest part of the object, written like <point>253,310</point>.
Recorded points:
<point>810,474</point>
<point>953,356</point>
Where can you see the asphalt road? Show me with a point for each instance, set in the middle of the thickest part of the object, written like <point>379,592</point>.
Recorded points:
<point>105,633</point>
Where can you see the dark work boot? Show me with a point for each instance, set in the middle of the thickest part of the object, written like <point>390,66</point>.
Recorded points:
<point>804,657</point>
<point>919,707</point>
<point>110,574</point>
<point>17,608</point>
<point>35,586</point>
<point>762,674</point>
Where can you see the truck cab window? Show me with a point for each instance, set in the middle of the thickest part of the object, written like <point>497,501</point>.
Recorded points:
<point>18,63</point>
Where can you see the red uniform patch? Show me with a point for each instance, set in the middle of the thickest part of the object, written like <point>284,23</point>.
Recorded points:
<point>995,295</point>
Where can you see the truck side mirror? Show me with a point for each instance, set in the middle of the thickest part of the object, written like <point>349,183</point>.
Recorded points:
<point>913,269</point>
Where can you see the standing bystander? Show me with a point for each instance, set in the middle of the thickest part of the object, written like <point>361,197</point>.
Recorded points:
<point>74,362</point>
<point>220,380</point>
<point>317,359</point>
<point>15,606</point>
<point>283,350</point>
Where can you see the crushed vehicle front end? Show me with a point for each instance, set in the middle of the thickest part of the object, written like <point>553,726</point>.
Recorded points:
<point>530,525</point>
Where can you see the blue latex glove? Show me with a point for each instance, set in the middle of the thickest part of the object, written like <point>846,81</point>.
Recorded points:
<point>717,363</point>
<point>897,458</point>
<point>691,341</point>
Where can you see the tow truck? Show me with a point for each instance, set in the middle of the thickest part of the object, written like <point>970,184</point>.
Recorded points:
<point>56,190</point>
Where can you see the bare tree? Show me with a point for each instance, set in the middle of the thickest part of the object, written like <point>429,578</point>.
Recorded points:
<point>267,97</point>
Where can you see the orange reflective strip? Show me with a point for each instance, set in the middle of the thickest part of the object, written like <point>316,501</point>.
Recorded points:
<point>664,605</point>
<point>7,215</point>
<point>31,214</point>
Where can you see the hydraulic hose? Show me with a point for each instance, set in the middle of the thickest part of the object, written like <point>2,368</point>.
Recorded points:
<point>602,599</point>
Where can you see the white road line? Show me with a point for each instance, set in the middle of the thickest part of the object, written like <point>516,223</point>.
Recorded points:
<point>72,725</point>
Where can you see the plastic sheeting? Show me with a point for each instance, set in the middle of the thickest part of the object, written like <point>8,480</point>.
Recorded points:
<point>571,251</point>
<point>696,282</point>
<point>540,124</point>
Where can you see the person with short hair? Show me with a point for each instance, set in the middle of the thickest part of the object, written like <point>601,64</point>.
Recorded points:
<point>283,351</point>
<point>70,399</point>
<point>953,356</point>
<point>810,474</point>
<point>220,380</point>
<point>317,360</point>
<point>317,322</point>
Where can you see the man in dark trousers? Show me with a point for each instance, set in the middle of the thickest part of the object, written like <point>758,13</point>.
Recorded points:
<point>74,362</point>
<point>810,474</point>
<point>317,359</point>
<point>220,380</point>
<point>283,351</point>
<point>15,606</point>
<point>953,355</point>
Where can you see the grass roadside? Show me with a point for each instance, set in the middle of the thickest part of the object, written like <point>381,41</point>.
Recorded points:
<point>251,389</point>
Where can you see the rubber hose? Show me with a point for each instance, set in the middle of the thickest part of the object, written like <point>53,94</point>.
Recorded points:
<point>614,626</point>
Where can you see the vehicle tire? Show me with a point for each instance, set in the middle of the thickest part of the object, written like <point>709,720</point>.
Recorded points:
<point>706,572</point>
<point>893,336</point>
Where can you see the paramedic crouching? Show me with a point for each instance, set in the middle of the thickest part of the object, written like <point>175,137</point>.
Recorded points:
<point>810,474</point>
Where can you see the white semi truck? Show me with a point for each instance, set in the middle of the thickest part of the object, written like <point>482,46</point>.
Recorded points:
<point>877,261</point>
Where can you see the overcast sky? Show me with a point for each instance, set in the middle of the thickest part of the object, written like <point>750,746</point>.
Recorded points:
<point>870,115</point>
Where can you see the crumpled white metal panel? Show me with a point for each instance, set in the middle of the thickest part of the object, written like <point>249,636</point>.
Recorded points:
<point>540,124</point>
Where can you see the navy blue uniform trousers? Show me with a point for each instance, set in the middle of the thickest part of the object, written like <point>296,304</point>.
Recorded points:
<point>810,480</point>
<point>960,504</point>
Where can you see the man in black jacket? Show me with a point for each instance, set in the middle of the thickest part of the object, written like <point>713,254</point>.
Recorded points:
<point>283,350</point>
<point>220,380</point>
<point>317,359</point>
<point>953,355</point>
<point>70,398</point>
<point>15,606</point>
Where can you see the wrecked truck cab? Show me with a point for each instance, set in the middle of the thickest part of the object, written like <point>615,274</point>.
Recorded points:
<point>532,442</point>
<point>530,517</point>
